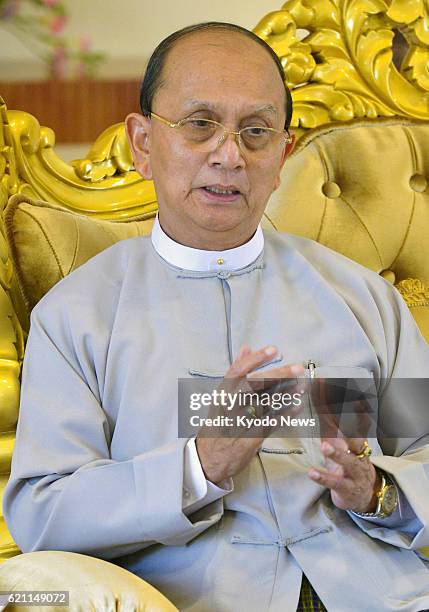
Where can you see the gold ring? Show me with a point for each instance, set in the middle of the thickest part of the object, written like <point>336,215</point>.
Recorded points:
<point>365,452</point>
<point>251,412</point>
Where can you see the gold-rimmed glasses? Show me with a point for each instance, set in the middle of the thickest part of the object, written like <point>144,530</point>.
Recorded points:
<point>255,141</point>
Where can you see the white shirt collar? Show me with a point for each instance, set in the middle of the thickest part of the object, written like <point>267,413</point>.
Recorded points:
<point>198,260</point>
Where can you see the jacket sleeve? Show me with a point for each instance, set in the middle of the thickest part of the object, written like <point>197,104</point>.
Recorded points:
<point>65,492</point>
<point>403,426</point>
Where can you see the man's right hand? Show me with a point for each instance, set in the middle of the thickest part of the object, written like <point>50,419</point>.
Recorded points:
<point>222,458</point>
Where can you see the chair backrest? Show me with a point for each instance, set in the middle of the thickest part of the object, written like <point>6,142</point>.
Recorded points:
<point>358,180</point>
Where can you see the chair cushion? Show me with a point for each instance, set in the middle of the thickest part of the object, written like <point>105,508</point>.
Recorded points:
<point>47,242</point>
<point>362,189</point>
<point>92,584</point>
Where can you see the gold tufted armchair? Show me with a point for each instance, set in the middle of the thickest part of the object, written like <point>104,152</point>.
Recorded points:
<point>357,182</point>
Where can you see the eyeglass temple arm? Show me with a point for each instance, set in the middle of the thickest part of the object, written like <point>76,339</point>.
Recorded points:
<point>170,123</point>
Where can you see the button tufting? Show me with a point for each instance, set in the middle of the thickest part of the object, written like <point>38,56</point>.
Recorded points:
<point>331,190</point>
<point>418,183</point>
<point>389,275</point>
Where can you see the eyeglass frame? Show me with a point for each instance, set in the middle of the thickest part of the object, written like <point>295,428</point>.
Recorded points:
<point>177,124</point>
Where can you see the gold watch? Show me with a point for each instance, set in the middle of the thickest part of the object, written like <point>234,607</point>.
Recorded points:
<point>387,498</point>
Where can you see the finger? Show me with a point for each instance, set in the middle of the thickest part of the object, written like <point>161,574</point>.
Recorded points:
<point>336,451</point>
<point>355,420</point>
<point>319,395</point>
<point>333,466</point>
<point>328,419</point>
<point>355,444</point>
<point>295,370</point>
<point>329,425</point>
<point>332,480</point>
<point>245,361</point>
<point>249,361</point>
<point>244,350</point>
<point>363,420</point>
<point>280,382</point>
<point>338,444</point>
<point>352,467</point>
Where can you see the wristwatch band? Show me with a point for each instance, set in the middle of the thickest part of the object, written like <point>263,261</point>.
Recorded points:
<point>387,499</point>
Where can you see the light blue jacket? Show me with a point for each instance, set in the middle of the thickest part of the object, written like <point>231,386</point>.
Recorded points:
<point>98,466</point>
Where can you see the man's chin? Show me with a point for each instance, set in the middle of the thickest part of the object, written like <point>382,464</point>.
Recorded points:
<point>219,218</point>
<point>218,213</point>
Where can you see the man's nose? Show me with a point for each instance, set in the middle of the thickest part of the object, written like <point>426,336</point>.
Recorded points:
<point>228,153</point>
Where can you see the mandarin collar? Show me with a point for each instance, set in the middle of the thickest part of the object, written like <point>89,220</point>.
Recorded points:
<point>199,260</point>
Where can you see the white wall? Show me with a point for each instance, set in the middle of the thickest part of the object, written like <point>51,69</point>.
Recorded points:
<point>128,30</point>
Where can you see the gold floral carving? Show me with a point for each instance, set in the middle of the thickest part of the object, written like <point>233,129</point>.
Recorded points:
<point>414,292</point>
<point>343,67</point>
<point>104,185</point>
<point>8,170</point>
<point>11,335</point>
<point>109,155</point>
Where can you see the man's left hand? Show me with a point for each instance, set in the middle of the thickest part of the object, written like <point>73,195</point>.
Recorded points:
<point>353,480</point>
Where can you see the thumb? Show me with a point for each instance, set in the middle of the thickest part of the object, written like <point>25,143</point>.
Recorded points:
<point>244,350</point>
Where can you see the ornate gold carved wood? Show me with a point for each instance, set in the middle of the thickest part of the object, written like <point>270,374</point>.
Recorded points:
<point>11,336</point>
<point>344,66</point>
<point>104,185</point>
<point>414,292</point>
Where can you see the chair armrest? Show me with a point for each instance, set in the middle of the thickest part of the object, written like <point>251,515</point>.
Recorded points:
<point>93,584</point>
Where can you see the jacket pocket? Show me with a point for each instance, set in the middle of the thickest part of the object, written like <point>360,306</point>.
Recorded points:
<point>338,371</point>
<point>208,375</point>
<point>219,375</point>
<point>346,403</point>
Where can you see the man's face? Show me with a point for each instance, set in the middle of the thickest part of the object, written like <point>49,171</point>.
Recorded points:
<point>229,78</point>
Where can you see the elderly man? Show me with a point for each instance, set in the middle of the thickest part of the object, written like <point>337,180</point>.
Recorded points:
<point>220,524</point>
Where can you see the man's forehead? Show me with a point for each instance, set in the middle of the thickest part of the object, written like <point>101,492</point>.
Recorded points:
<point>221,49</point>
<point>250,107</point>
<point>214,38</point>
<point>204,67</point>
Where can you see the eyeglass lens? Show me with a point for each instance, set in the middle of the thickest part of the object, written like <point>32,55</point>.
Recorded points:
<point>255,140</point>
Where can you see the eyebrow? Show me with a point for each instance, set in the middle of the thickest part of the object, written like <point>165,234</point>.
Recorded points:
<point>267,108</point>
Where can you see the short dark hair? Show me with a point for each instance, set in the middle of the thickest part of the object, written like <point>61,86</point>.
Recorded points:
<point>152,78</point>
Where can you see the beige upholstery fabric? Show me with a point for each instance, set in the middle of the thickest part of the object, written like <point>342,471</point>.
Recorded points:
<point>47,242</point>
<point>362,189</point>
<point>93,584</point>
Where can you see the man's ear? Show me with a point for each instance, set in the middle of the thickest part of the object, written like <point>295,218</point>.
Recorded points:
<point>138,128</point>
<point>287,151</point>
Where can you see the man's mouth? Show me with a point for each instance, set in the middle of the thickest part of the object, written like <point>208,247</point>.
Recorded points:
<point>221,193</point>
<point>221,190</point>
